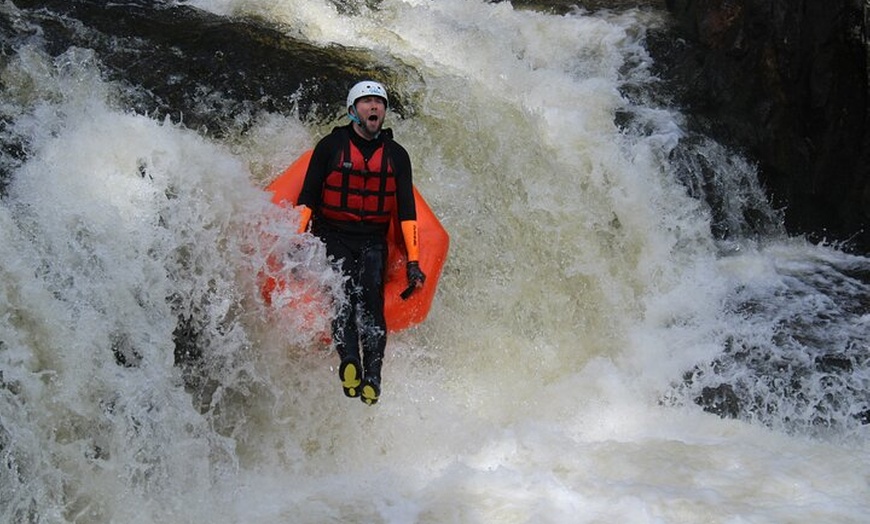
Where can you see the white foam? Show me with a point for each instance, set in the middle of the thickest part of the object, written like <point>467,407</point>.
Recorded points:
<point>582,282</point>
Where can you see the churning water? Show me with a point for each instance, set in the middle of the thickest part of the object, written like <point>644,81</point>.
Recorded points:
<point>613,285</point>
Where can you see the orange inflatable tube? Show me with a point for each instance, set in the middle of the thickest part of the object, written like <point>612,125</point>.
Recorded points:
<point>434,243</point>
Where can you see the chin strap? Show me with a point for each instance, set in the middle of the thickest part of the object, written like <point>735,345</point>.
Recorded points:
<point>351,113</point>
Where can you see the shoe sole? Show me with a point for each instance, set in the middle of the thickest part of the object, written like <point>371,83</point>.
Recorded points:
<point>370,393</point>
<point>350,380</point>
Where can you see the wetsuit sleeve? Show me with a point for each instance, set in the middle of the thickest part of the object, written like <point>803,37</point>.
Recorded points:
<point>406,208</point>
<point>318,168</point>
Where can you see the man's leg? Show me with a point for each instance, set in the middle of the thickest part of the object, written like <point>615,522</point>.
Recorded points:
<point>346,337</point>
<point>373,325</point>
<point>345,333</point>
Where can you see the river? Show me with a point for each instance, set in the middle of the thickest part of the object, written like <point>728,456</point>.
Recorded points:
<point>613,285</point>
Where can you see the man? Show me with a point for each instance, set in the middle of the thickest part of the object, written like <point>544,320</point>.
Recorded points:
<point>357,179</point>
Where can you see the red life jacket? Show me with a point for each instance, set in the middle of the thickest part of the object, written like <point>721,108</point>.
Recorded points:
<point>360,191</point>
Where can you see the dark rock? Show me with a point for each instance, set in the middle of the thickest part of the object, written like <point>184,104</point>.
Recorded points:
<point>721,400</point>
<point>833,363</point>
<point>785,81</point>
<point>212,74</point>
<point>205,70</point>
<point>567,6</point>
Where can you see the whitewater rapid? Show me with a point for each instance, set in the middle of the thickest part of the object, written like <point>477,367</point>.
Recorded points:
<point>548,383</point>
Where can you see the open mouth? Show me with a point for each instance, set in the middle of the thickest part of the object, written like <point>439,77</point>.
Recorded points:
<point>373,118</point>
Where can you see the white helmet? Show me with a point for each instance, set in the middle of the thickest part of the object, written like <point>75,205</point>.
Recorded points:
<point>366,88</point>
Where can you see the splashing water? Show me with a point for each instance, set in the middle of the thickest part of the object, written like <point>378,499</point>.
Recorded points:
<point>599,282</point>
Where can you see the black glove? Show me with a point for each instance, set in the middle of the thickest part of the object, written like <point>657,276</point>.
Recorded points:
<point>416,278</point>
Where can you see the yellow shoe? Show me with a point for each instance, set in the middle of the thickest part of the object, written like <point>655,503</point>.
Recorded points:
<point>349,374</point>
<point>370,392</point>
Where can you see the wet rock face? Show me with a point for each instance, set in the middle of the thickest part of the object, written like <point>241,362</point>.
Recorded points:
<point>567,6</point>
<point>197,67</point>
<point>211,73</point>
<point>785,81</point>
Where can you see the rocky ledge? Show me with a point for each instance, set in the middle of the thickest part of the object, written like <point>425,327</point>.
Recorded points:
<point>786,82</point>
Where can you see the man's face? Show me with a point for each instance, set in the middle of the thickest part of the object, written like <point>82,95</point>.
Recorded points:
<point>371,111</point>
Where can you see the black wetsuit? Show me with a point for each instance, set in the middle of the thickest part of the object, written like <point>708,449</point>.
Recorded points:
<point>358,247</point>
